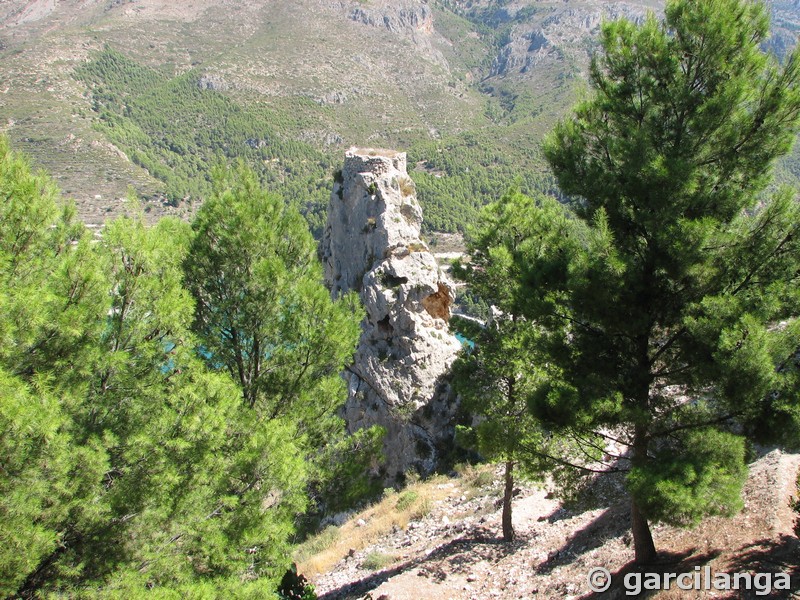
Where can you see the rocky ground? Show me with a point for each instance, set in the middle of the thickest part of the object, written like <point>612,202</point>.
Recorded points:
<point>456,550</point>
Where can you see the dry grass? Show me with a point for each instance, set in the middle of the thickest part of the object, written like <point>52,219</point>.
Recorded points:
<point>477,477</point>
<point>321,552</point>
<point>407,186</point>
<point>319,543</point>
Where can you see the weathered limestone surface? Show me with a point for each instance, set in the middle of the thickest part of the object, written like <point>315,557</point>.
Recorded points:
<point>372,245</point>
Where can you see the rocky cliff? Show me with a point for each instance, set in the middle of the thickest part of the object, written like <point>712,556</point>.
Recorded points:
<point>372,245</point>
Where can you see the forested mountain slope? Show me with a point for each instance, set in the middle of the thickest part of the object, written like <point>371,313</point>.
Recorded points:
<point>112,94</point>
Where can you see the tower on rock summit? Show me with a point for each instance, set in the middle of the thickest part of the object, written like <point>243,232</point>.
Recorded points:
<point>372,245</point>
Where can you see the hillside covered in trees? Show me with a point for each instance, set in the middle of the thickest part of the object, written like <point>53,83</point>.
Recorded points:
<point>109,96</point>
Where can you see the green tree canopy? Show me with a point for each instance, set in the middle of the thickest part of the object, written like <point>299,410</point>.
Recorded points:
<point>495,378</point>
<point>264,316</point>
<point>191,469</point>
<point>672,298</point>
<point>127,467</point>
<point>263,313</point>
<point>52,303</point>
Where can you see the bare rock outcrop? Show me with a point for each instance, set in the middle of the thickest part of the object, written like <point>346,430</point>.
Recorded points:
<point>556,32</point>
<point>411,19</point>
<point>372,245</point>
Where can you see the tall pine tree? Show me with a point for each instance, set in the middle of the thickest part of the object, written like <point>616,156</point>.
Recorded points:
<point>265,317</point>
<point>52,305</point>
<point>127,467</point>
<point>495,378</point>
<point>673,322</point>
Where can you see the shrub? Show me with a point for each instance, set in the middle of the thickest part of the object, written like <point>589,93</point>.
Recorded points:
<point>422,509</point>
<point>476,477</point>
<point>295,587</point>
<point>375,561</point>
<point>407,187</point>
<point>406,500</point>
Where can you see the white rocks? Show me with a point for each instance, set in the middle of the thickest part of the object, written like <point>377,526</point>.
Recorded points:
<point>372,245</point>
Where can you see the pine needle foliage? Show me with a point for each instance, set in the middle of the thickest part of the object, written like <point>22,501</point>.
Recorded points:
<point>671,294</point>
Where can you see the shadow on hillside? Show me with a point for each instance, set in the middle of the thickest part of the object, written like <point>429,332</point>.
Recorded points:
<point>458,555</point>
<point>781,555</point>
<point>612,523</point>
<point>453,557</point>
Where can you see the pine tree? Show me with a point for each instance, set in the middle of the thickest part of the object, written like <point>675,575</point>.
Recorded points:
<point>52,304</point>
<point>671,301</point>
<point>495,378</point>
<point>127,467</point>
<point>208,492</point>
<point>262,312</point>
<point>265,317</point>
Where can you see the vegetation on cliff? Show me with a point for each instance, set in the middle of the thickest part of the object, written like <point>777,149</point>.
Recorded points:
<point>174,127</point>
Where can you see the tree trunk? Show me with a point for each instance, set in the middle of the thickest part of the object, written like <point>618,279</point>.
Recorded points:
<point>508,525</point>
<point>643,546</point>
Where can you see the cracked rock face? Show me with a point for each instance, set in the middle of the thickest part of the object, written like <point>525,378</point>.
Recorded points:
<point>372,245</point>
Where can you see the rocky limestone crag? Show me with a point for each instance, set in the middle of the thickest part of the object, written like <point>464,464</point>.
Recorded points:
<point>372,246</point>
<point>555,33</point>
<point>410,19</point>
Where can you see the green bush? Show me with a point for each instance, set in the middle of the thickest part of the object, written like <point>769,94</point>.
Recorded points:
<point>375,561</point>
<point>406,500</point>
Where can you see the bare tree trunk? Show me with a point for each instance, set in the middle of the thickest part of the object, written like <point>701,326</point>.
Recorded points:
<point>643,545</point>
<point>508,525</point>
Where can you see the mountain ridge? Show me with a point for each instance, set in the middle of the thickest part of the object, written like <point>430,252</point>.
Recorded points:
<point>430,77</point>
